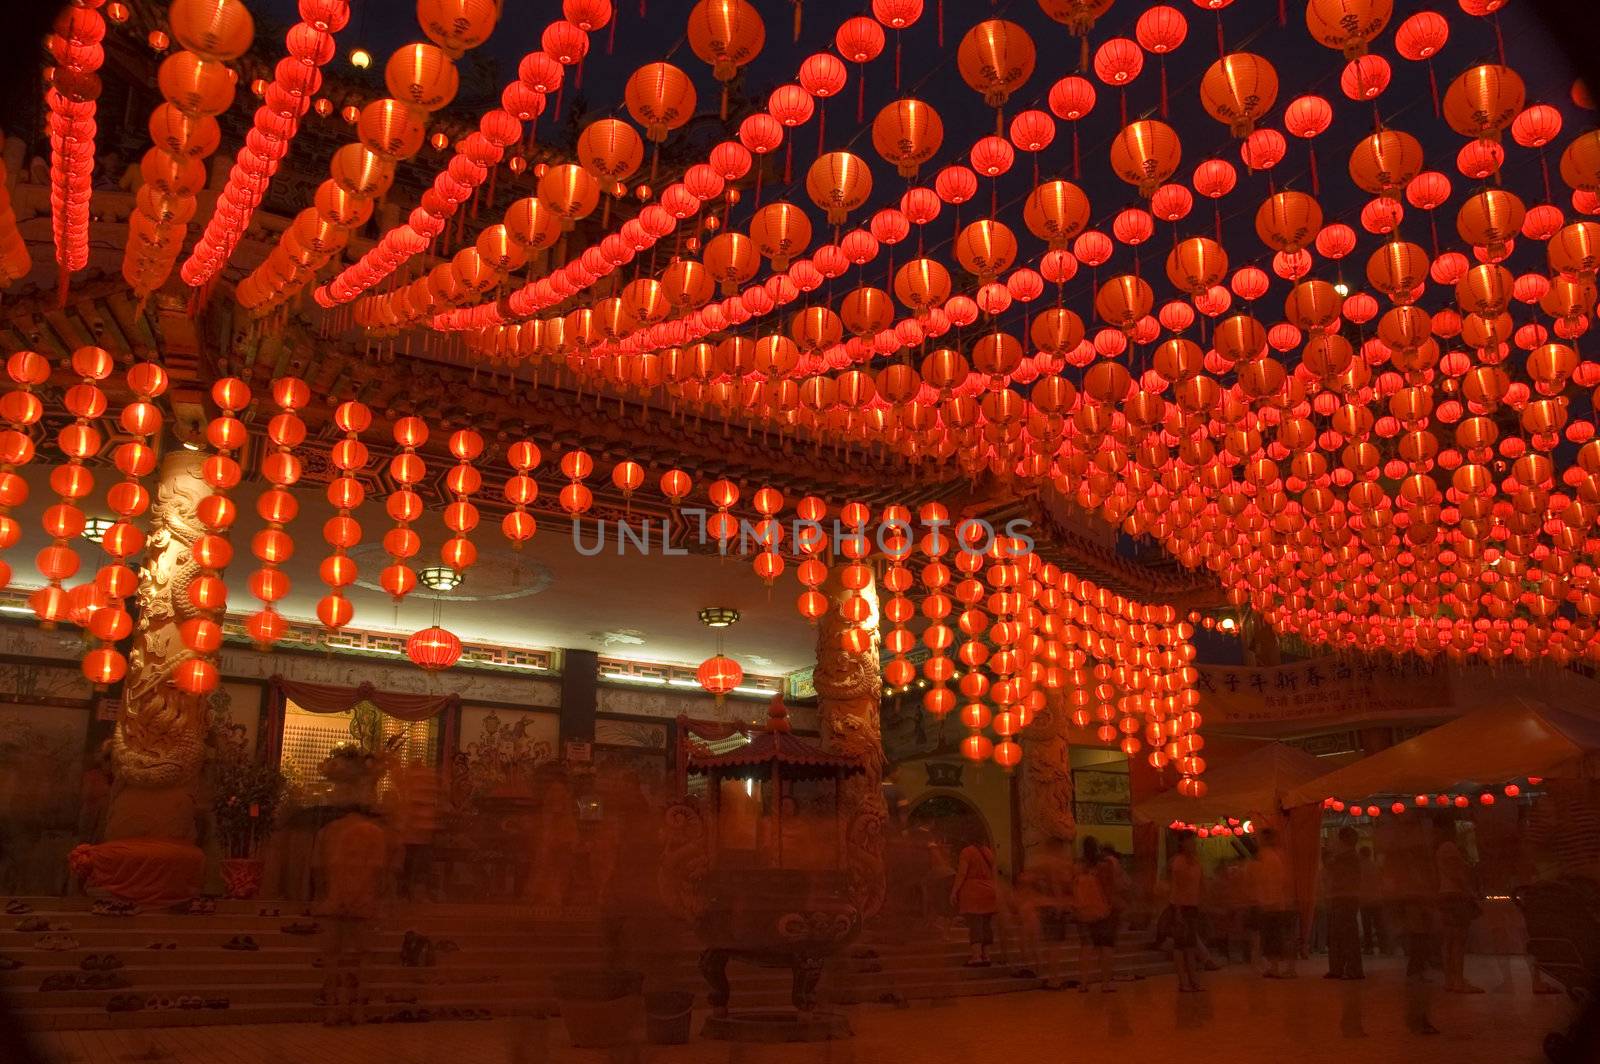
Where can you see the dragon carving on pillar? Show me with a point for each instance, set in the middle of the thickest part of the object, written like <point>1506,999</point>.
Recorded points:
<point>1047,792</point>
<point>849,692</point>
<point>159,740</point>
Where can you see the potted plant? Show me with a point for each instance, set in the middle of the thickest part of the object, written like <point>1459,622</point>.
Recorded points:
<point>245,805</point>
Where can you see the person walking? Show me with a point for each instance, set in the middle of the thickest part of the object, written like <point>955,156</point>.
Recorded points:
<point>976,897</point>
<point>1457,908</point>
<point>1093,910</point>
<point>351,870</point>
<point>1185,874</point>
<point>1343,875</point>
<point>1277,907</point>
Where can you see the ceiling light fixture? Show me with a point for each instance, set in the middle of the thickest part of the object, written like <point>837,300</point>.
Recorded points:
<point>95,528</point>
<point>440,578</point>
<point>719,616</point>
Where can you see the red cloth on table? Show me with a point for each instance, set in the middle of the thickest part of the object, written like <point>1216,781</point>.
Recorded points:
<point>153,872</point>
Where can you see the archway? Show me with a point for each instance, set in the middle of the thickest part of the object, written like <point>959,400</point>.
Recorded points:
<point>950,820</point>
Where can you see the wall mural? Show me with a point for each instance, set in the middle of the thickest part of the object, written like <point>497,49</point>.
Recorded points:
<point>502,748</point>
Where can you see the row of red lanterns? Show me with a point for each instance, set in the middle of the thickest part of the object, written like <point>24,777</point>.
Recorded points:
<point>285,101</point>
<point>75,46</point>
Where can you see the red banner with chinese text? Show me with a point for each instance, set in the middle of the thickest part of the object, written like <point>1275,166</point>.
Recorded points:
<point>1329,689</point>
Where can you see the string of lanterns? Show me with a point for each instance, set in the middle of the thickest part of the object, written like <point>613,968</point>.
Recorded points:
<point>1387,165</point>
<point>21,409</point>
<point>75,46</point>
<point>1035,650</point>
<point>277,507</point>
<point>421,78</point>
<point>109,621</point>
<point>285,100</point>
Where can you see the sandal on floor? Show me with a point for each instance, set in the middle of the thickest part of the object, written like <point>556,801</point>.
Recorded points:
<point>17,907</point>
<point>58,943</point>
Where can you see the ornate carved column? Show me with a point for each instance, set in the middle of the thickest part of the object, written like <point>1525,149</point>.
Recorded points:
<point>158,747</point>
<point>1046,784</point>
<point>849,689</point>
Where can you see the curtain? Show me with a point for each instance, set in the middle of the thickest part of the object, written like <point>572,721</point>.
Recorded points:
<point>329,698</point>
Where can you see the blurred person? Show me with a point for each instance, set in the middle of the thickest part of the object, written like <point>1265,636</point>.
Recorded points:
<point>1093,910</point>
<point>1410,886</point>
<point>350,870</point>
<point>1185,876</point>
<point>94,794</point>
<point>1342,873</point>
<point>975,896</point>
<point>1275,896</point>
<point>1374,928</point>
<point>1458,907</point>
<point>1229,902</point>
<point>412,815</point>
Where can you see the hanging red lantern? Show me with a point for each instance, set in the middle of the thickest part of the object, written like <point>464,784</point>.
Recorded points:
<point>719,675</point>
<point>433,648</point>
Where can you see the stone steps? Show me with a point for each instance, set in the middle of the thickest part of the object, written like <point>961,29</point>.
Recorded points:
<point>508,963</point>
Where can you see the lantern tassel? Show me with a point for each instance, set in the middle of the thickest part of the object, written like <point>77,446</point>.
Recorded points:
<point>1316,187</point>
<point>611,37</point>
<point>1077,165</point>
<point>1222,49</point>
<point>1083,54</point>
<point>1544,170</point>
<point>861,94</point>
<point>1499,40</point>
<point>1216,215</point>
<point>1433,87</point>
<point>1283,14</point>
<point>788,160</point>
<point>897,62</point>
<point>939,22</point>
<point>1122,105</point>
<point>1163,87</point>
<point>822,121</point>
<point>797,8</point>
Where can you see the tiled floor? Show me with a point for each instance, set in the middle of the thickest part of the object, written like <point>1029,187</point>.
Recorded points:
<point>1241,1017</point>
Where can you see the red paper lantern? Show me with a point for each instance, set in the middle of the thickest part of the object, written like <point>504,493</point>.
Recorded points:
<point>434,648</point>
<point>719,675</point>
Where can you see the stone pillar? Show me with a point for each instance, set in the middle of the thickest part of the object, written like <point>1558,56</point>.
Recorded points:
<point>1046,779</point>
<point>158,746</point>
<point>849,689</point>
